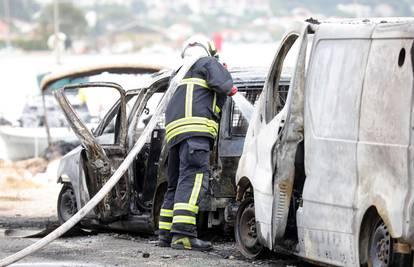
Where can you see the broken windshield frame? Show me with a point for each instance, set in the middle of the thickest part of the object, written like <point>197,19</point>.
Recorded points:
<point>82,132</point>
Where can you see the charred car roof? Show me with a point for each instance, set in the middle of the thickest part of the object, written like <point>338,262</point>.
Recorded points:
<point>247,78</point>
<point>121,68</point>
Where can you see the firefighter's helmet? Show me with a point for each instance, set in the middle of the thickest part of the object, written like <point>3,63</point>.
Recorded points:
<point>198,44</point>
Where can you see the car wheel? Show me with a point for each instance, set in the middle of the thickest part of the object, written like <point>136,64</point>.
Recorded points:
<point>245,230</point>
<point>66,206</point>
<point>380,246</point>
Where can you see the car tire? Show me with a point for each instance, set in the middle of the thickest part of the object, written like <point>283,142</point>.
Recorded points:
<point>66,205</point>
<point>245,230</point>
<point>380,245</point>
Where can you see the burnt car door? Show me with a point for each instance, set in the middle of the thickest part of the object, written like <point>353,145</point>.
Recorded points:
<point>104,154</point>
<point>233,128</point>
<point>287,151</point>
<point>144,170</point>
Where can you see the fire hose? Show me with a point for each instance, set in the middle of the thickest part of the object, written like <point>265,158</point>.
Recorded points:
<point>188,62</point>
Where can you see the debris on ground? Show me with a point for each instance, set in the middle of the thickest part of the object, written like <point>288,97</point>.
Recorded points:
<point>145,255</point>
<point>28,188</point>
<point>19,175</point>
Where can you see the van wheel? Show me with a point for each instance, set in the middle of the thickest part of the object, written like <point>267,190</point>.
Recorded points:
<point>66,206</point>
<point>380,246</point>
<point>245,230</point>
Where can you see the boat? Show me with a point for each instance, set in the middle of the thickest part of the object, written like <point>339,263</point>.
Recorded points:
<point>29,137</point>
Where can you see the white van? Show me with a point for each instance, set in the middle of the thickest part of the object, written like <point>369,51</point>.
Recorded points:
<point>329,176</point>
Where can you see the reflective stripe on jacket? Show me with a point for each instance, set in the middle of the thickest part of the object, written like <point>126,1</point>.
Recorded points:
<point>194,109</point>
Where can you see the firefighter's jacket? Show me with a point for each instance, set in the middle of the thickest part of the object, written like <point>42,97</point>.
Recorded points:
<point>195,107</point>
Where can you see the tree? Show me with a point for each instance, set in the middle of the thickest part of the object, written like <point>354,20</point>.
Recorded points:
<point>72,20</point>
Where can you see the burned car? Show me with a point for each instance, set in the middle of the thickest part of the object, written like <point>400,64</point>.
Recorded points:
<point>134,203</point>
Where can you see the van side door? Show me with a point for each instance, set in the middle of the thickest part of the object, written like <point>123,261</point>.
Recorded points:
<point>334,86</point>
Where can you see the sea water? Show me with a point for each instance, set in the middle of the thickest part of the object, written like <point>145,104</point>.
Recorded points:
<point>244,106</point>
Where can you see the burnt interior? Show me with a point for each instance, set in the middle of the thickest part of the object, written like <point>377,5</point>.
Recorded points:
<point>149,164</point>
<point>300,175</point>
<point>229,146</point>
<point>282,94</point>
<point>145,168</point>
<point>296,200</point>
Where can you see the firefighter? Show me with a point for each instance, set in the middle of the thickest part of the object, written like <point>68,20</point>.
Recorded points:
<point>192,118</point>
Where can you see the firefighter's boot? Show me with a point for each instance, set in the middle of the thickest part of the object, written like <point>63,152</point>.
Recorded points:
<point>164,240</point>
<point>190,243</point>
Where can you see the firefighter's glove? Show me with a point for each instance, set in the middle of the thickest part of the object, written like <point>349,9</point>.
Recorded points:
<point>233,91</point>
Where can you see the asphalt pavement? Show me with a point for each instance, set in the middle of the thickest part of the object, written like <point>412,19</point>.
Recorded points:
<point>121,249</point>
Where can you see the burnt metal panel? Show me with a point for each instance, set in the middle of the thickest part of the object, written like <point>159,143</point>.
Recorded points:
<point>384,135</point>
<point>292,134</point>
<point>99,164</point>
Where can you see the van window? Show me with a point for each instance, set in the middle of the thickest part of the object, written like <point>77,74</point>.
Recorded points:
<point>282,67</point>
<point>334,87</point>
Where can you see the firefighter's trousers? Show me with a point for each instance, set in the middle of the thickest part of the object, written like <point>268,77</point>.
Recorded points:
<point>188,172</point>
